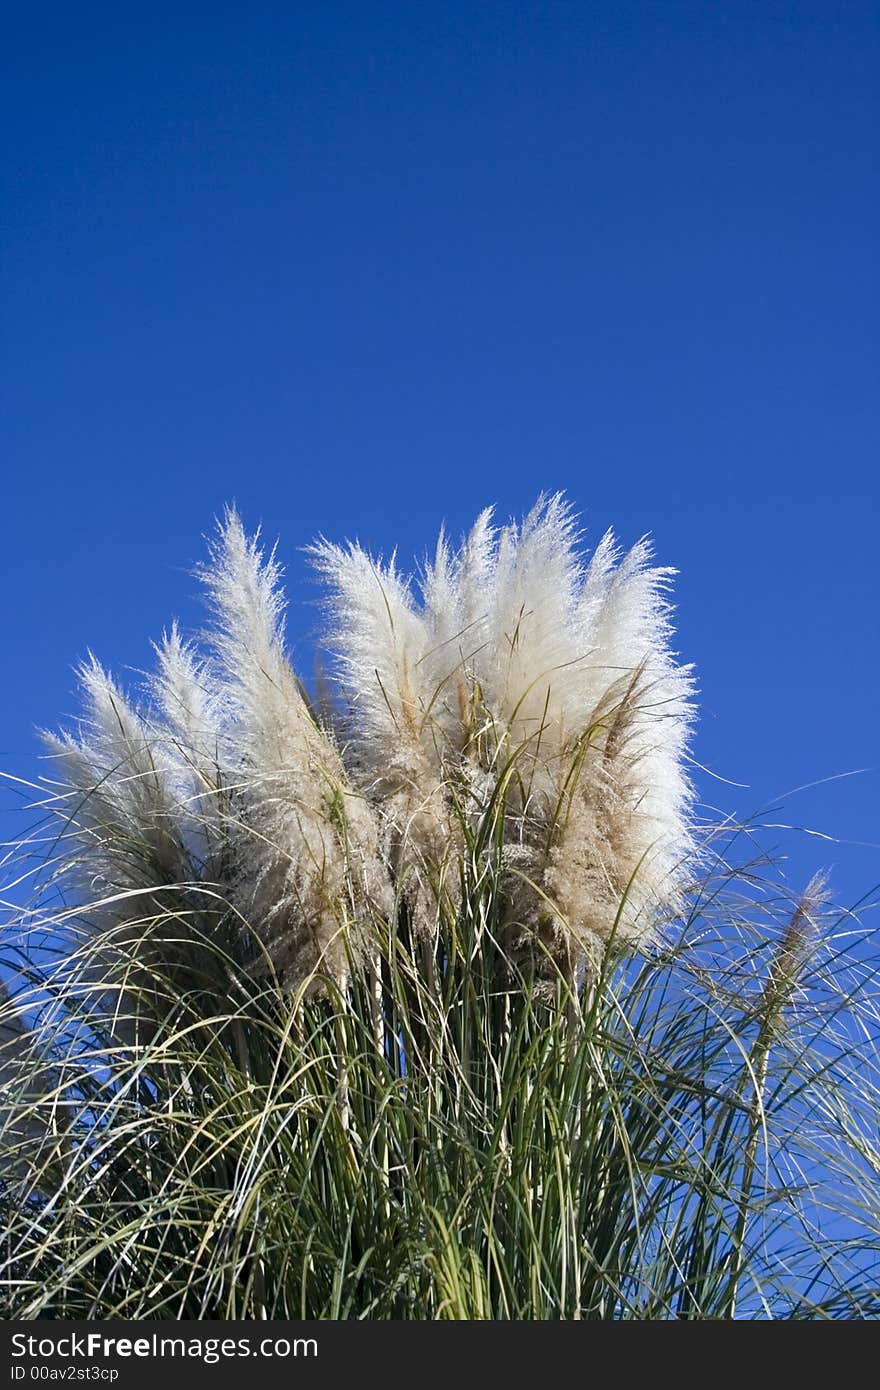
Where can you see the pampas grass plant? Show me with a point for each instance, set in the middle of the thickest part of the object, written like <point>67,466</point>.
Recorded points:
<point>431,999</point>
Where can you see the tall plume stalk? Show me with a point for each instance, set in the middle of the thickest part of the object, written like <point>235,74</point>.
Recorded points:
<point>788,967</point>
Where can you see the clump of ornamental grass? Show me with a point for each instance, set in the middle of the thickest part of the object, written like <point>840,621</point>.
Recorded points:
<point>436,1002</point>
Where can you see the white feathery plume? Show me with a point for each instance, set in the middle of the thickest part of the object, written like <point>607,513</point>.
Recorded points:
<point>454,590</point>
<point>626,849</point>
<point>125,856</point>
<point>387,658</point>
<point>527,669</point>
<point>115,795</point>
<point>182,689</point>
<point>302,837</point>
<point>189,743</point>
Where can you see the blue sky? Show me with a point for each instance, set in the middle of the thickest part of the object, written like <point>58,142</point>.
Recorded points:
<point>368,267</point>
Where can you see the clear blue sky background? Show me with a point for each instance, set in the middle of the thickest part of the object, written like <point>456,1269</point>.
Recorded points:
<point>366,267</point>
